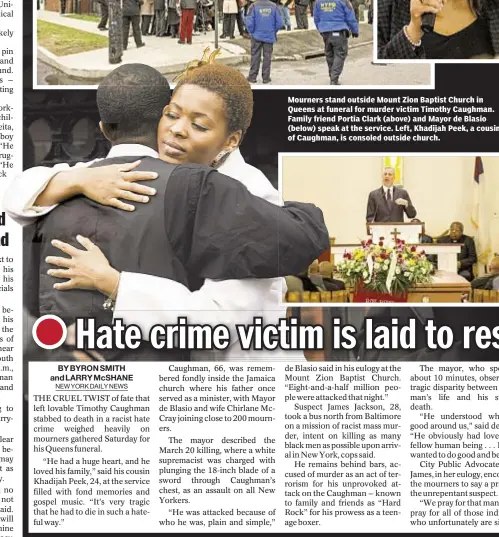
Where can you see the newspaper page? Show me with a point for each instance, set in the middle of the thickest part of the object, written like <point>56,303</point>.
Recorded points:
<point>250,266</point>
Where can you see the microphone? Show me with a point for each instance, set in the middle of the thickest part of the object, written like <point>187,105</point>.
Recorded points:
<point>428,22</point>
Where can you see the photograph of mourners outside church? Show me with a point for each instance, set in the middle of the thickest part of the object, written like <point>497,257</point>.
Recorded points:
<point>273,43</point>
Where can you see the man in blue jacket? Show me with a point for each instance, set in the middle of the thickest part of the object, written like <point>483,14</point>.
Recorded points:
<point>263,22</point>
<point>335,20</point>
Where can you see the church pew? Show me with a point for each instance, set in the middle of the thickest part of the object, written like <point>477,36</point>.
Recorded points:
<point>491,296</point>
<point>477,295</point>
<point>317,297</point>
<point>483,295</point>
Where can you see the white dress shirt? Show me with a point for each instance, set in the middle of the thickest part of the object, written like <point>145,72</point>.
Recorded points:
<point>20,196</point>
<point>146,300</point>
<point>386,189</point>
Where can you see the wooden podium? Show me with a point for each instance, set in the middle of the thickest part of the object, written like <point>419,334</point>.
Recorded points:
<point>394,230</point>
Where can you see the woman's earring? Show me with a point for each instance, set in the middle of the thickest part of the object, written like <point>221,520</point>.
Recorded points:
<point>219,159</point>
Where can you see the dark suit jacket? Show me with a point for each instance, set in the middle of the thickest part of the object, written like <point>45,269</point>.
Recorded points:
<point>131,8</point>
<point>138,241</point>
<point>393,15</point>
<point>467,256</point>
<point>379,210</point>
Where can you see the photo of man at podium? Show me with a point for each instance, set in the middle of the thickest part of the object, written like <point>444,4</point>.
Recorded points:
<point>389,203</point>
<point>386,254</point>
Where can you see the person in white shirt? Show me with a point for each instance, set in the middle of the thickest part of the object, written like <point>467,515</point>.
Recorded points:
<point>146,300</point>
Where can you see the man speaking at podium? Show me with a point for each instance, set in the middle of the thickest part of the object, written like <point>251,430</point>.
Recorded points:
<point>388,203</point>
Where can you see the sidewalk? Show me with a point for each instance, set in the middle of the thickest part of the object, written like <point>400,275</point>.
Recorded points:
<point>167,56</point>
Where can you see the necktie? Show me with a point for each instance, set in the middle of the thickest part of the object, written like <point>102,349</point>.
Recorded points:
<point>388,196</point>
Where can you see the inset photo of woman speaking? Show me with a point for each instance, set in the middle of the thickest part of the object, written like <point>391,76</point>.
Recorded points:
<point>437,29</point>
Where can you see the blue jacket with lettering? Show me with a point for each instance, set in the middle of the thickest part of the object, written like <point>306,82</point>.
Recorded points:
<point>333,16</point>
<point>264,21</point>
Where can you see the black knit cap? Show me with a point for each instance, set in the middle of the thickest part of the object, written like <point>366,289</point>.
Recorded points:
<point>132,92</point>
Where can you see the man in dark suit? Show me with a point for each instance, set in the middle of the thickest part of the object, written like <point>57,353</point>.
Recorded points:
<point>131,15</point>
<point>186,245</point>
<point>388,203</point>
<point>467,257</point>
<point>104,13</point>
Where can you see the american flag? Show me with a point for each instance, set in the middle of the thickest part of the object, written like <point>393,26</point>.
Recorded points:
<point>479,215</point>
